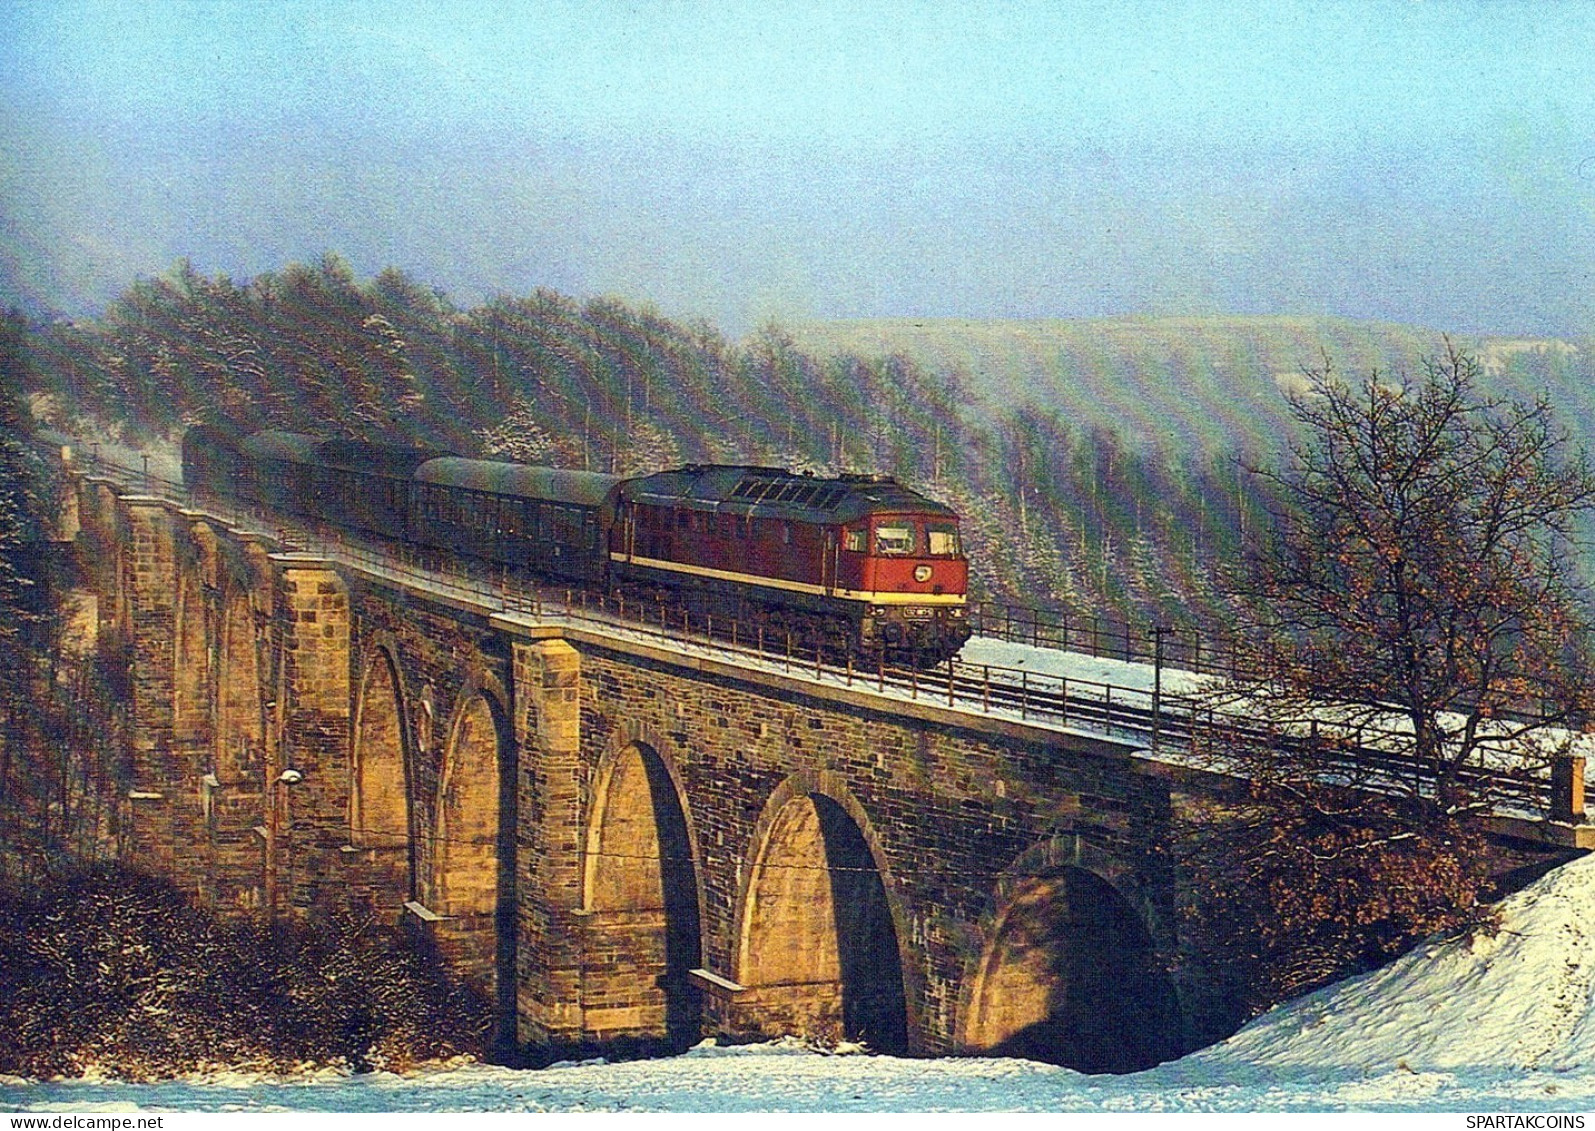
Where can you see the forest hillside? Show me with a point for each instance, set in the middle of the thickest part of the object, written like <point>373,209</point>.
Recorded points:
<point>1093,462</point>
<point>1213,382</point>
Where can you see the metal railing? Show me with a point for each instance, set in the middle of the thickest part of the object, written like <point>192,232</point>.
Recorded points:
<point>1106,637</point>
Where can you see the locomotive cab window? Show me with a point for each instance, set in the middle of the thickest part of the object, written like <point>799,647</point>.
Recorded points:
<point>943,540</point>
<point>894,538</point>
<point>855,541</point>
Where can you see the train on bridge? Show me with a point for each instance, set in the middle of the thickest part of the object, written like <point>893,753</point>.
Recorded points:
<point>858,563</point>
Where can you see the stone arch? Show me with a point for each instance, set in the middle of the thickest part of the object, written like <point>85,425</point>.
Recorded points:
<point>468,828</point>
<point>1073,971</point>
<point>379,786</point>
<point>256,573</point>
<point>820,935</point>
<point>191,683</point>
<point>240,704</point>
<point>108,552</point>
<point>206,553</point>
<point>104,512</point>
<point>69,514</point>
<point>640,894</point>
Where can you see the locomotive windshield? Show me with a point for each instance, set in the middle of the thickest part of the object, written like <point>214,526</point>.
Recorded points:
<point>894,538</point>
<point>943,540</point>
<point>902,536</point>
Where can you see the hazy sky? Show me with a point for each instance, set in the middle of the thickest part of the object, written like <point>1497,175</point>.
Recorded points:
<point>1431,163</point>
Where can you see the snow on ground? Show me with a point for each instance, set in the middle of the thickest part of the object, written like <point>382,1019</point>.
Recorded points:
<point>1076,665</point>
<point>1491,1024</point>
<point>1518,1001</point>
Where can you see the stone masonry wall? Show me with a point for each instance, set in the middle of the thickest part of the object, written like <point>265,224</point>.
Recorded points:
<point>947,809</point>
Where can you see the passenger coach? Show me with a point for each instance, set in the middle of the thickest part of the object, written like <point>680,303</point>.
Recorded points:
<point>856,562</point>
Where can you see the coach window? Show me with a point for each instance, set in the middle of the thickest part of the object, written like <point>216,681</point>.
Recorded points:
<point>894,538</point>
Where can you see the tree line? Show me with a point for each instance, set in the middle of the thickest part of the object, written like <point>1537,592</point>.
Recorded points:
<point>1058,515</point>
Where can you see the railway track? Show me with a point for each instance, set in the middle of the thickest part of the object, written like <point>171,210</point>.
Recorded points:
<point>1173,726</point>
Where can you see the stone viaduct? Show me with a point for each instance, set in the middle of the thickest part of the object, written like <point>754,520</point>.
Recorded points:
<point>615,839</point>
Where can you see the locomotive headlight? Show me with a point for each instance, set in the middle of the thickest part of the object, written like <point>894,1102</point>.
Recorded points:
<point>922,573</point>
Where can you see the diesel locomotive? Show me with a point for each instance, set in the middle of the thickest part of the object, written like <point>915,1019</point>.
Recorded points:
<point>858,562</point>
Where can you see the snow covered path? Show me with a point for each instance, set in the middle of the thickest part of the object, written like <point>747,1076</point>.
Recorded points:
<point>1493,1024</point>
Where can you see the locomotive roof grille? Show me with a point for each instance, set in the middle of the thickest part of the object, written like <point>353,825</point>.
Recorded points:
<point>820,495</point>
<point>777,494</point>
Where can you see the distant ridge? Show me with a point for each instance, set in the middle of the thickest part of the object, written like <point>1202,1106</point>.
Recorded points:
<point>1208,381</point>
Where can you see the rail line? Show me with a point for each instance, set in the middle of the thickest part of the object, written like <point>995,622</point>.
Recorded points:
<point>1173,726</point>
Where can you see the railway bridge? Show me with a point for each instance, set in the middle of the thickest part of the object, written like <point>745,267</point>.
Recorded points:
<point>628,834</point>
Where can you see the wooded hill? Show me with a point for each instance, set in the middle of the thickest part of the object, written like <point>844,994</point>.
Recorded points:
<point>1193,382</point>
<point>1038,433</point>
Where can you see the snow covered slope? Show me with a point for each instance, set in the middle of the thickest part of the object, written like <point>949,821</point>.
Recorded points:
<point>1521,1000</point>
<point>1455,1026</point>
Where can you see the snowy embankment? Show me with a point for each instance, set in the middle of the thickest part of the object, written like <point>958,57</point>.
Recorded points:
<point>1460,1025</point>
<point>1517,1001</point>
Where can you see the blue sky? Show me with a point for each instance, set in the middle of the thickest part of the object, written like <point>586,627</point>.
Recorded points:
<point>1431,163</point>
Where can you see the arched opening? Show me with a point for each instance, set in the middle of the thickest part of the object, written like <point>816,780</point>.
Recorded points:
<point>818,942</point>
<point>470,867</point>
<point>240,729</point>
<point>71,516</point>
<point>465,853</point>
<point>379,807</point>
<point>191,669</point>
<point>379,795</point>
<point>107,569</point>
<point>105,511</point>
<point>1072,977</point>
<point>241,804</point>
<point>642,899</point>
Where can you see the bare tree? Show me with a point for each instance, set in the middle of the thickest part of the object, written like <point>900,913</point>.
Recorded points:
<point>1420,571</point>
<point>1418,641</point>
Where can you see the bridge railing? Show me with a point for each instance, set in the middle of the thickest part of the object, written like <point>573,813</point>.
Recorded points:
<point>1174,726</point>
<point>1179,647</point>
<point>1108,638</point>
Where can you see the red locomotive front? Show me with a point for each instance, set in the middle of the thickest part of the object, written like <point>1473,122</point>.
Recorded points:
<point>905,554</point>
<point>910,570</point>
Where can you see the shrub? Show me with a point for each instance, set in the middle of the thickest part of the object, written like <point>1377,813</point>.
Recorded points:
<point>113,970</point>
